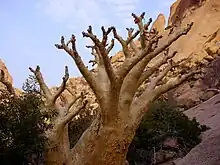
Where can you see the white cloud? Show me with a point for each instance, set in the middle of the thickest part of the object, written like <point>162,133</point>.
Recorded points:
<point>84,12</point>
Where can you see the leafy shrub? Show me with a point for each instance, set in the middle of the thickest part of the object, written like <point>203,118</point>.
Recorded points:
<point>160,122</point>
<point>21,128</point>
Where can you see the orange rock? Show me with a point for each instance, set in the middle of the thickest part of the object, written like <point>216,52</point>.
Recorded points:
<point>172,11</point>
<point>4,68</point>
<point>159,23</point>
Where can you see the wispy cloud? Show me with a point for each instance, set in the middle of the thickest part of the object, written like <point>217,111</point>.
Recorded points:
<point>77,14</point>
<point>54,18</point>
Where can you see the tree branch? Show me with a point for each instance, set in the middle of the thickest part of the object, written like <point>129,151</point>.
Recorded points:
<point>129,64</point>
<point>131,36</point>
<point>151,70</point>
<point>75,99</point>
<point>131,39</point>
<point>96,53</point>
<point>142,28</point>
<point>41,82</point>
<point>72,114</point>
<point>161,75</point>
<point>62,87</point>
<point>130,78</point>
<point>139,105</point>
<point>172,84</point>
<point>105,34</point>
<point>103,52</point>
<point>111,46</point>
<point>122,42</point>
<point>81,66</point>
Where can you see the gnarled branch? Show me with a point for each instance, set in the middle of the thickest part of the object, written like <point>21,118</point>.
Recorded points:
<point>144,53</point>
<point>81,66</point>
<point>73,113</point>
<point>162,74</point>
<point>111,46</point>
<point>151,70</point>
<point>142,28</point>
<point>132,44</point>
<point>62,87</point>
<point>41,82</point>
<point>101,49</point>
<point>81,95</point>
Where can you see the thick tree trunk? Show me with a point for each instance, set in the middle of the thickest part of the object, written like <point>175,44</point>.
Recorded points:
<point>58,151</point>
<point>104,145</point>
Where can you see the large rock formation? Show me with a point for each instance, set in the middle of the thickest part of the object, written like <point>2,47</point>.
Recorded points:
<point>159,23</point>
<point>180,8</point>
<point>5,70</point>
<point>205,25</point>
<point>8,77</point>
<point>173,9</point>
<point>207,152</point>
<point>202,42</point>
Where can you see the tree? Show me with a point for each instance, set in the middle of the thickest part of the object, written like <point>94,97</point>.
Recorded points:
<point>59,114</point>
<point>120,112</point>
<point>21,133</point>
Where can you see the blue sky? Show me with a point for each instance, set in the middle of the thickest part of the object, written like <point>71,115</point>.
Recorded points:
<point>30,28</point>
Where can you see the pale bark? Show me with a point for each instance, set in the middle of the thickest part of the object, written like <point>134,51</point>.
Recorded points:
<point>58,147</point>
<point>107,140</point>
<point>104,145</point>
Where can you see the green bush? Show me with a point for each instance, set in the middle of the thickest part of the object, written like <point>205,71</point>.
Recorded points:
<point>163,121</point>
<point>21,128</point>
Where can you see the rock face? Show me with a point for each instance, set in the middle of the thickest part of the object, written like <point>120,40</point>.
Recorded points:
<point>173,9</point>
<point>201,44</point>
<point>179,9</point>
<point>159,23</point>
<point>4,68</point>
<point>207,152</point>
<point>194,43</point>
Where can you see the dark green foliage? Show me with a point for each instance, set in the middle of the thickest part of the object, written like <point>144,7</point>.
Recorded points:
<point>163,121</point>
<point>21,128</point>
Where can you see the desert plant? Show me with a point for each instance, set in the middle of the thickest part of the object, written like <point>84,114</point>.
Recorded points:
<point>120,112</point>
<point>161,122</point>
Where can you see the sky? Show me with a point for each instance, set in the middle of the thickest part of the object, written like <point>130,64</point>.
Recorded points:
<point>30,28</point>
